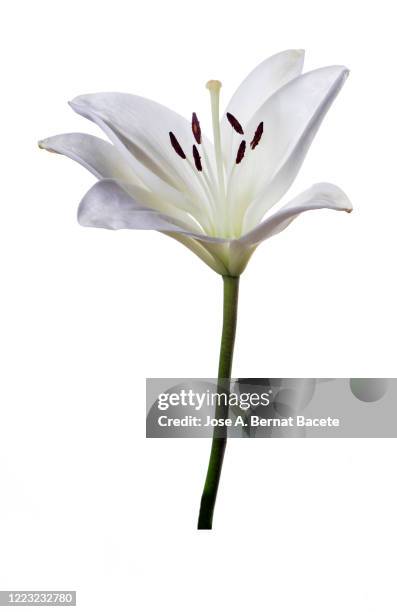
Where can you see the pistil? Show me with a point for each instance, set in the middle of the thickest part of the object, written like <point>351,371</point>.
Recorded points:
<point>214,89</point>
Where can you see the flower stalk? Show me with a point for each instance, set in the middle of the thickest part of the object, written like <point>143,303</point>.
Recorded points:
<point>208,498</point>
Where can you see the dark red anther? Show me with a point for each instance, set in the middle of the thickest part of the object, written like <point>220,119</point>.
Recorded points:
<point>197,158</point>
<point>257,136</point>
<point>196,129</point>
<point>234,123</point>
<point>176,146</point>
<point>240,152</point>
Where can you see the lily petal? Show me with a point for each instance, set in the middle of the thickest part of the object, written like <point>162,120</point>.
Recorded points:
<point>291,119</point>
<point>320,195</point>
<point>206,252</point>
<point>104,160</point>
<point>108,205</point>
<point>259,85</point>
<point>100,157</point>
<point>140,127</point>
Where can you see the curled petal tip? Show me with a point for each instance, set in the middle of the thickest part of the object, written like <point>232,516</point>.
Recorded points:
<point>349,206</point>
<point>345,72</point>
<point>43,144</point>
<point>296,55</point>
<point>76,102</point>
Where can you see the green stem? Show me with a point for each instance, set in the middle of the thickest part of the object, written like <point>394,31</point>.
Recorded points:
<point>208,499</point>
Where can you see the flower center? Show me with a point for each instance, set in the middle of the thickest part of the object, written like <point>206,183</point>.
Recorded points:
<point>215,188</point>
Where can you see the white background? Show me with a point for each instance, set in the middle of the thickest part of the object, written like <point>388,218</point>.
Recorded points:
<point>87,502</point>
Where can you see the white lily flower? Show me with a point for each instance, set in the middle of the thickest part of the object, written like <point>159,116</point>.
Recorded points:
<point>160,172</point>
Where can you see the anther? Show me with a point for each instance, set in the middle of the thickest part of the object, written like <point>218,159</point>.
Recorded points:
<point>176,146</point>
<point>196,129</point>
<point>240,152</point>
<point>197,159</point>
<point>234,123</point>
<point>257,136</point>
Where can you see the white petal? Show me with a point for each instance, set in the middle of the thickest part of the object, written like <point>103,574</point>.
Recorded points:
<point>141,127</point>
<point>291,119</point>
<point>320,195</point>
<point>104,160</point>
<point>111,205</point>
<point>259,85</point>
<point>205,252</point>
<point>99,157</point>
<point>151,200</point>
<point>108,205</point>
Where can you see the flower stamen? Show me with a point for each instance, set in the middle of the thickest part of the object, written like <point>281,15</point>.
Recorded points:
<point>197,159</point>
<point>236,125</point>
<point>176,146</point>
<point>240,152</point>
<point>196,129</point>
<point>257,136</point>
